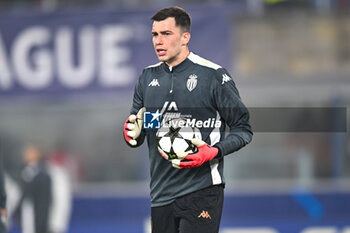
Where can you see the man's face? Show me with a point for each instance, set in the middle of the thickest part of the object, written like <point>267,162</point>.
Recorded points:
<point>169,42</point>
<point>31,154</point>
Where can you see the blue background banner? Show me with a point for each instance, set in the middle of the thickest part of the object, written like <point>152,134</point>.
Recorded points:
<point>92,51</point>
<point>252,213</point>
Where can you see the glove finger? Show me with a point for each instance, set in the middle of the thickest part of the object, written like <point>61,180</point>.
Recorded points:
<point>128,133</point>
<point>176,163</point>
<point>132,118</point>
<point>129,139</point>
<point>191,156</point>
<point>188,164</point>
<point>197,142</point>
<point>126,136</point>
<point>126,123</point>
<point>131,134</point>
<point>140,113</point>
<point>181,155</point>
<point>130,126</point>
<point>126,130</point>
<point>133,142</point>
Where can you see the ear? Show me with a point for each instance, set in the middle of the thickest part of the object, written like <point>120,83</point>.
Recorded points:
<point>186,36</point>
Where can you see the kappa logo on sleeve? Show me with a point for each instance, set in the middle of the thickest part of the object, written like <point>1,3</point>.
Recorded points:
<point>225,78</point>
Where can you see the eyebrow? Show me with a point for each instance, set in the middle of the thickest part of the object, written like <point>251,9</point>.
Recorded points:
<point>162,32</point>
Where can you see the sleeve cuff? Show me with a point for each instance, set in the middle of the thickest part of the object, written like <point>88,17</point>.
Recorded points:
<point>220,154</point>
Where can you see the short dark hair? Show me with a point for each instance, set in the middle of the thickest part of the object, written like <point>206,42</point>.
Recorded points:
<point>182,18</point>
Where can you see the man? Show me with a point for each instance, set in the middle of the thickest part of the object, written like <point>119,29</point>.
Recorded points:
<point>61,205</point>
<point>186,193</point>
<point>37,194</point>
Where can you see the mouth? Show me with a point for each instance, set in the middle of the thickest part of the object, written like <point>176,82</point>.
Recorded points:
<point>161,52</point>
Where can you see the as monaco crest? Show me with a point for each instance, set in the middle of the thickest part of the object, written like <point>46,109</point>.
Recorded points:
<point>191,82</point>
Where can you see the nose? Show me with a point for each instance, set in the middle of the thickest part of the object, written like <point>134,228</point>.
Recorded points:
<point>158,39</point>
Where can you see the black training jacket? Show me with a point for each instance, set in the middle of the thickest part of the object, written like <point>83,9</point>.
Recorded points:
<point>204,93</point>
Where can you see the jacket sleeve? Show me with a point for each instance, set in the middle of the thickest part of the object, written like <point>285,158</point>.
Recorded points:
<point>137,104</point>
<point>233,113</point>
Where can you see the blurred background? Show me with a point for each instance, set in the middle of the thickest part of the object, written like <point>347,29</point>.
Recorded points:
<point>67,73</point>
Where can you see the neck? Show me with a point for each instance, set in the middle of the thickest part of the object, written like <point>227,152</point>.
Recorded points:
<point>179,59</point>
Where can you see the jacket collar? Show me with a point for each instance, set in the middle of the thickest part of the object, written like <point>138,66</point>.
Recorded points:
<point>178,68</point>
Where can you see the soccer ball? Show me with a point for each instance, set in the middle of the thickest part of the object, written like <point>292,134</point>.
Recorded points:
<point>174,136</point>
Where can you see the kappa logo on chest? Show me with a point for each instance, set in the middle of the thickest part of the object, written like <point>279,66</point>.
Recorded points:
<point>192,82</point>
<point>154,83</point>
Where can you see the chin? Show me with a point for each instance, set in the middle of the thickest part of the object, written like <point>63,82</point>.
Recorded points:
<point>163,59</point>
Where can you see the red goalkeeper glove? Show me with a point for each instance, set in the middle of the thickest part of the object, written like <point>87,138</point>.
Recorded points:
<point>133,126</point>
<point>205,153</point>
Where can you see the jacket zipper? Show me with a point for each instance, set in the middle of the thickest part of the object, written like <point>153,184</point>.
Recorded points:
<point>172,83</point>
